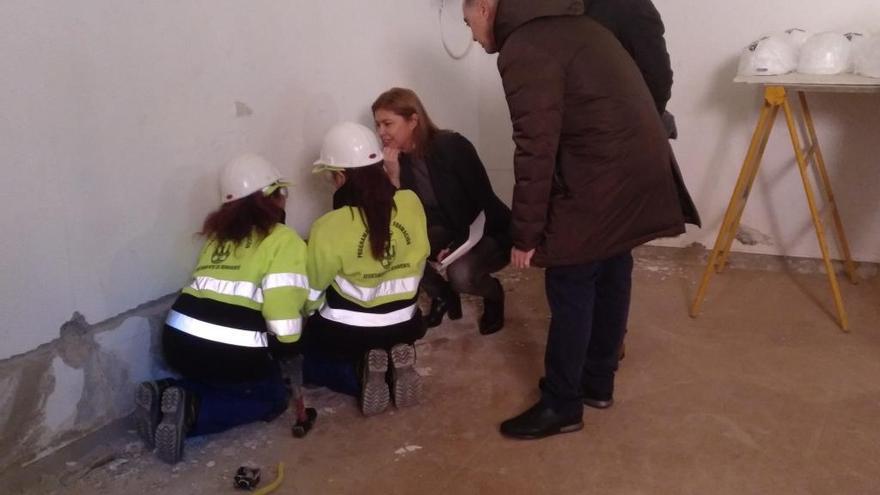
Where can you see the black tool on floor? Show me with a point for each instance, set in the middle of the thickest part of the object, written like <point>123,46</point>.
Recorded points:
<point>305,420</point>
<point>292,370</point>
<point>247,478</point>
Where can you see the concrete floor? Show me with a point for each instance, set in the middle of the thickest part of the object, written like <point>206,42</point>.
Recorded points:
<point>761,394</point>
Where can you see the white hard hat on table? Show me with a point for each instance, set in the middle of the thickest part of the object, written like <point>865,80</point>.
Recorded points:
<point>826,54</point>
<point>772,55</point>
<point>349,145</point>
<point>797,36</point>
<point>867,57</point>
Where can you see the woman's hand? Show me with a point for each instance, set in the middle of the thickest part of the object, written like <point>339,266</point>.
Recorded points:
<point>443,254</point>
<point>392,165</point>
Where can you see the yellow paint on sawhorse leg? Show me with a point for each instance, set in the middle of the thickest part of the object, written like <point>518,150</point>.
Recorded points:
<point>775,98</point>
<point>843,244</point>
<point>749,172</point>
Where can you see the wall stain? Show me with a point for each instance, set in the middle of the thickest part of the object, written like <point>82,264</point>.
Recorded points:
<point>27,381</point>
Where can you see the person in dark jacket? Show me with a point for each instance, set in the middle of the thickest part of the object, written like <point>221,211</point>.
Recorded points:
<point>444,170</point>
<point>637,25</point>
<point>593,181</point>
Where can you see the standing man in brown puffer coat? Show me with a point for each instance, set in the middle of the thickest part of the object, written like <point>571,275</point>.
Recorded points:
<point>593,181</point>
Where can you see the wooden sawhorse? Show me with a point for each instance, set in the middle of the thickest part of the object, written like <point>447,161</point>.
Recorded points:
<point>776,97</point>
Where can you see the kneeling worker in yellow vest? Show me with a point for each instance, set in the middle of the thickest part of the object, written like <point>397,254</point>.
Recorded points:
<point>248,292</point>
<point>367,257</point>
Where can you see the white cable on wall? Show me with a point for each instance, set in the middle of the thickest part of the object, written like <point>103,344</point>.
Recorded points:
<point>454,34</point>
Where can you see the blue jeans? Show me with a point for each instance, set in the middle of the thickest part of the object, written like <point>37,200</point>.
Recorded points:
<point>222,406</point>
<point>589,304</point>
<point>337,374</point>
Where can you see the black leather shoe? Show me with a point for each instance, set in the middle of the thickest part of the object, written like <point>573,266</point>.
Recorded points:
<point>540,421</point>
<point>493,312</point>
<point>440,306</point>
<point>598,403</point>
<point>597,400</point>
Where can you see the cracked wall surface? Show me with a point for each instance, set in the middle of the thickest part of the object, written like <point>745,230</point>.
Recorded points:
<point>79,382</point>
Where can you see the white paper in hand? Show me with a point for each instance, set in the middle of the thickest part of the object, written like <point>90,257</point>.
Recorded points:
<point>474,236</point>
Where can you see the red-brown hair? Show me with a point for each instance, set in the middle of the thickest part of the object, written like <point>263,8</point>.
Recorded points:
<point>406,103</point>
<point>237,220</point>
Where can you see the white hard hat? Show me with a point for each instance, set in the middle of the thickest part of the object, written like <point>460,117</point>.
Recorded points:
<point>769,56</point>
<point>857,39</point>
<point>349,145</point>
<point>797,36</point>
<point>246,175</point>
<point>867,57</point>
<point>826,54</point>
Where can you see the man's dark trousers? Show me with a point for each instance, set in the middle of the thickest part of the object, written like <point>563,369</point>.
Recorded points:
<point>589,304</point>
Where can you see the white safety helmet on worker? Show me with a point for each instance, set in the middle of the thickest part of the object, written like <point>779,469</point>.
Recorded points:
<point>349,145</point>
<point>248,174</point>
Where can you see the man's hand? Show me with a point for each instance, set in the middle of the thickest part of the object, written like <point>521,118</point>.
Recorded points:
<point>392,165</point>
<point>521,259</point>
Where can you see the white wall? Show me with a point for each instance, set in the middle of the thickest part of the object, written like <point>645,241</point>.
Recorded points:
<point>117,115</point>
<point>716,119</point>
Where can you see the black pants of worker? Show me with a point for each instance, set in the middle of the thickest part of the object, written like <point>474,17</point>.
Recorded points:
<point>350,342</point>
<point>334,351</point>
<point>233,385</point>
<point>589,306</point>
<point>470,274</point>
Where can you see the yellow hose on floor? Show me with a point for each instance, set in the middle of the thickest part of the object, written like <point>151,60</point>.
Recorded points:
<point>271,487</point>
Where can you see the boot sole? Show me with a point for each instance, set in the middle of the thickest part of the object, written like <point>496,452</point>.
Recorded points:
<point>407,382</point>
<point>375,396</point>
<point>565,429</point>
<point>170,433</point>
<point>147,412</point>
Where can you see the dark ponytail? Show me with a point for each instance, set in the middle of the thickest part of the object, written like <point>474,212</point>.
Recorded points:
<point>370,191</point>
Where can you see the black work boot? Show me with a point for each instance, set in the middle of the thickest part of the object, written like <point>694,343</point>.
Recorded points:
<point>179,413</point>
<point>148,410</point>
<point>493,312</point>
<point>375,395</point>
<point>449,304</point>
<point>406,384</point>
